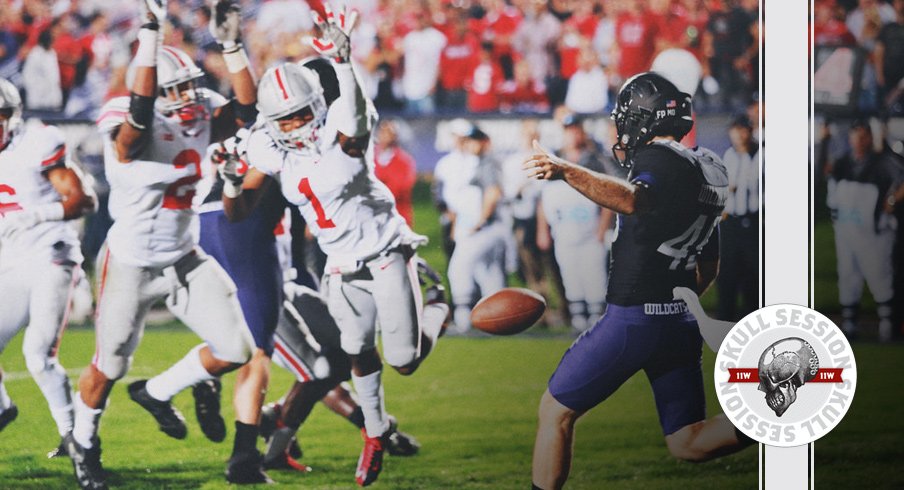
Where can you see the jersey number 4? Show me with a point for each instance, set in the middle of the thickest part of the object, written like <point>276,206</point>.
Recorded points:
<point>304,187</point>
<point>180,193</point>
<point>684,248</point>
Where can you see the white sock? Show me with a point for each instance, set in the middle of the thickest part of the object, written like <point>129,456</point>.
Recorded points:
<point>54,385</point>
<point>5,401</point>
<point>188,371</point>
<point>432,322</point>
<point>64,418</point>
<point>86,420</point>
<point>370,397</point>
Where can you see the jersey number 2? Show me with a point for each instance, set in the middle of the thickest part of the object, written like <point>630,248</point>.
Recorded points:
<point>304,187</point>
<point>8,207</point>
<point>180,193</point>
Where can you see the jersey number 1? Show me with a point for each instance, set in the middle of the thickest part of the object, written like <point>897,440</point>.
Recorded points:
<point>304,187</point>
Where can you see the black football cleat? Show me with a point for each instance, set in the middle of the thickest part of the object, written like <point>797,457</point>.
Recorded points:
<point>400,443</point>
<point>8,415</point>
<point>60,450</point>
<point>426,275</point>
<point>246,468</point>
<point>89,472</point>
<point>207,409</point>
<point>171,422</point>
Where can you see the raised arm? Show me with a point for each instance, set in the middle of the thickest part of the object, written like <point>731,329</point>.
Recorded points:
<point>610,192</point>
<point>225,27</point>
<point>351,109</point>
<point>129,137</point>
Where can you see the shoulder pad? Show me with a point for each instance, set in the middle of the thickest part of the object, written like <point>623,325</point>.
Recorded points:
<point>45,143</point>
<point>113,114</point>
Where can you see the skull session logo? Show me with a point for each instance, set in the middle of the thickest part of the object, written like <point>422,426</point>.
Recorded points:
<point>785,375</point>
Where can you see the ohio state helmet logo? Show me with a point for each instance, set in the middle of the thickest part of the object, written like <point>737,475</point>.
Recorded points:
<point>765,362</point>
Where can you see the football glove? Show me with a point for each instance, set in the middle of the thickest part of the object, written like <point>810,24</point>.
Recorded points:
<point>230,165</point>
<point>155,10</point>
<point>336,30</point>
<point>225,23</point>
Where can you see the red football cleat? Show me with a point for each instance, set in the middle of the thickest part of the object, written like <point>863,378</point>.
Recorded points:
<point>371,461</point>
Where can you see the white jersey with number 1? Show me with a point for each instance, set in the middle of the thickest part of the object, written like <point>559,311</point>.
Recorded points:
<point>151,196</point>
<point>347,208</point>
<point>24,164</point>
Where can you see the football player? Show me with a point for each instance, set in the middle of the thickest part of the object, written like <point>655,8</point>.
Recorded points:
<point>40,254</point>
<point>307,344</point>
<point>323,161</point>
<point>668,210</point>
<point>153,144</point>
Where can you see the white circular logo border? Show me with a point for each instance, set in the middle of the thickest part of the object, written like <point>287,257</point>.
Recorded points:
<point>819,406</point>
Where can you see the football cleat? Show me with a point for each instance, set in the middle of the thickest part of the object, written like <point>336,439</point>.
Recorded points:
<point>170,420</point>
<point>400,443</point>
<point>207,409</point>
<point>285,462</point>
<point>271,421</point>
<point>8,415</point>
<point>426,275</point>
<point>370,463</point>
<point>59,451</point>
<point>87,465</point>
<point>244,468</point>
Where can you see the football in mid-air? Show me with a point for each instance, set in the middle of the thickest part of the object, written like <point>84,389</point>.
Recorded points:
<point>508,311</point>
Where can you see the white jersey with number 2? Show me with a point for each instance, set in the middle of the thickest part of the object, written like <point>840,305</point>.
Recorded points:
<point>151,196</point>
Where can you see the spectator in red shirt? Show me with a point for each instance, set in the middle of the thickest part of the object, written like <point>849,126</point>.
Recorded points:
<point>395,168</point>
<point>524,94</point>
<point>502,23</point>
<point>635,38</point>
<point>458,60</point>
<point>483,85</point>
<point>828,28</point>
<point>72,53</point>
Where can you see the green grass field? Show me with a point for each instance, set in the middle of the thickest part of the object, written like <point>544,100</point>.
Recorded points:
<point>472,406</point>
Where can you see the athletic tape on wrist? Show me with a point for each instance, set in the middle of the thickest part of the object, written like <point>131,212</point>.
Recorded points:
<point>146,54</point>
<point>231,190</point>
<point>236,59</point>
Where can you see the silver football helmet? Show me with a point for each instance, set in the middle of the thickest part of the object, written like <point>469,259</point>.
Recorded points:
<point>11,107</point>
<point>285,90</point>
<point>177,81</point>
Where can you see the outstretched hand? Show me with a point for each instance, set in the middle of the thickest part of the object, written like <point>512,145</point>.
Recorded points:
<point>336,30</point>
<point>156,10</point>
<point>543,165</point>
<point>225,23</point>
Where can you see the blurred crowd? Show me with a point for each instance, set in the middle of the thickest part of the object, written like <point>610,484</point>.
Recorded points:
<point>877,28</point>
<point>418,56</point>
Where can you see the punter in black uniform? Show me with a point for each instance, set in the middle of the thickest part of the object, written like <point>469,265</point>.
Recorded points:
<point>668,214</point>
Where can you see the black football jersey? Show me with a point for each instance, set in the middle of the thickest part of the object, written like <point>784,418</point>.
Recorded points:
<point>657,249</point>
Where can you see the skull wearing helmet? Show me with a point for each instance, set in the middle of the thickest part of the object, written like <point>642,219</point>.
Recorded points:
<point>784,367</point>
